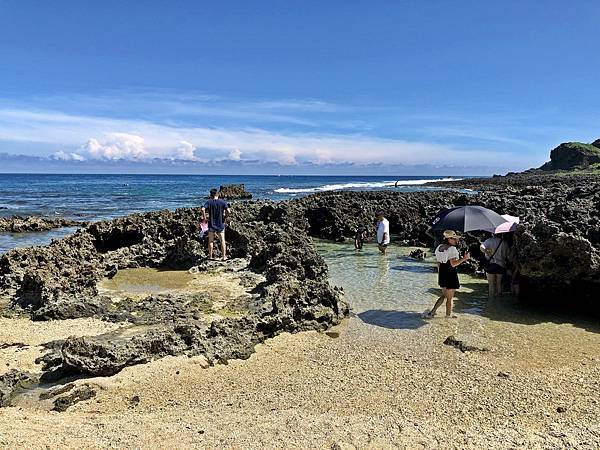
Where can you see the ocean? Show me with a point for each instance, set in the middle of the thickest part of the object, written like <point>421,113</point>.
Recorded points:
<point>99,197</point>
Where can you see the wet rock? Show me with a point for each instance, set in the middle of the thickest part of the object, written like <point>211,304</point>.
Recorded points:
<point>13,381</point>
<point>18,224</point>
<point>78,394</point>
<point>418,254</point>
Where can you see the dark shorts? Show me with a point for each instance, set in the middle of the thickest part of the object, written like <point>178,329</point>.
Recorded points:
<point>448,276</point>
<point>495,269</point>
<point>215,230</point>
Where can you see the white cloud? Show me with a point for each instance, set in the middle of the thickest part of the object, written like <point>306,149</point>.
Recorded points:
<point>121,139</point>
<point>185,151</point>
<point>64,156</point>
<point>117,146</point>
<point>235,154</point>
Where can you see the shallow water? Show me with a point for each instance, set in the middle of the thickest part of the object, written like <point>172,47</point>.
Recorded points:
<point>146,281</point>
<point>8,241</point>
<point>393,292</point>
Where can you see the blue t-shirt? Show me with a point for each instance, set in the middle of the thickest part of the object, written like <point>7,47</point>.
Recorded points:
<point>216,214</point>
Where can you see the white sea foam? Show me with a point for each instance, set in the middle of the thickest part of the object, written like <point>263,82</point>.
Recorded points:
<point>358,185</point>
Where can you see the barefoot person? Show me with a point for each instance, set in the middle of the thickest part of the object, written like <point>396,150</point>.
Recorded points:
<point>383,232</point>
<point>217,211</point>
<point>448,259</point>
<point>496,251</point>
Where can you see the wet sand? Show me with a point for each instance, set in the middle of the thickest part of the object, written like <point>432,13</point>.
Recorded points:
<point>387,380</point>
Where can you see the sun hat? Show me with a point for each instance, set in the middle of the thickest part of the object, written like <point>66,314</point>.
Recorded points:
<point>451,234</point>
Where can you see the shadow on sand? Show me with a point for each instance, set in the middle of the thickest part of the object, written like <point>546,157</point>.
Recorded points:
<point>472,298</point>
<point>397,320</point>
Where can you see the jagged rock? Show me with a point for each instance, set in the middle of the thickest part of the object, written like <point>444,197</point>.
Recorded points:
<point>12,381</point>
<point>573,155</point>
<point>18,224</point>
<point>78,394</point>
<point>234,192</point>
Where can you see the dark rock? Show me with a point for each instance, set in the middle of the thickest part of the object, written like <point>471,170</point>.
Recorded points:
<point>418,254</point>
<point>13,381</point>
<point>561,409</point>
<point>18,224</point>
<point>463,346</point>
<point>79,394</point>
<point>573,155</point>
<point>15,344</point>
<point>56,391</point>
<point>135,400</point>
<point>234,192</point>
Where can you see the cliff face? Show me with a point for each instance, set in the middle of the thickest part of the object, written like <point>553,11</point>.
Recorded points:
<point>573,155</point>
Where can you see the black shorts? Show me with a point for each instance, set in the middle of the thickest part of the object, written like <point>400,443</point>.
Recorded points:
<point>495,269</point>
<point>448,276</point>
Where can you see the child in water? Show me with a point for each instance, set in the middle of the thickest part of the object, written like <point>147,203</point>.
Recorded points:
<point>359,237</point>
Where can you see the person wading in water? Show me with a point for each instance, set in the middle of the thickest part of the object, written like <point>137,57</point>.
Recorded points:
<point>448,259</point>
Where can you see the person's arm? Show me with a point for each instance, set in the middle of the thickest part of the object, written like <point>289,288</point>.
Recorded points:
<point>458,261</point>
<point>203,210</point>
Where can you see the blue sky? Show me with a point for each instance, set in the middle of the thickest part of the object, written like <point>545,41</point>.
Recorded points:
<point>406,87</point>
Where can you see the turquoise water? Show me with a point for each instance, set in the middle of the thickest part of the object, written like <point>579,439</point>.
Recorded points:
<point>394,290</point>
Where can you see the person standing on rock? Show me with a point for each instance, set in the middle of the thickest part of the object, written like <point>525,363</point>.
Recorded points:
<point>448,259</point>
<point>383,232</point>
<point>217,212</point>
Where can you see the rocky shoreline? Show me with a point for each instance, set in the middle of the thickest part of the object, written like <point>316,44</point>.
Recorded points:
<point>32,224</point>
<point>286,284</point>
<point>285,280</point>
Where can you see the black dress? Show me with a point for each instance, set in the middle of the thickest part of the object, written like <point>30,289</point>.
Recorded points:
<point>447,275</point>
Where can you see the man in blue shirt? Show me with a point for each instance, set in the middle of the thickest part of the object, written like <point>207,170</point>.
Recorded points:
<point>217,211</point>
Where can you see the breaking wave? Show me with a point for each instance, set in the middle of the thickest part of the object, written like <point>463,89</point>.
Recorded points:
<point>359,185</point>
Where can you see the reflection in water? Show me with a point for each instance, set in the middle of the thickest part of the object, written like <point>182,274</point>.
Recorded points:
<point>388,290</point>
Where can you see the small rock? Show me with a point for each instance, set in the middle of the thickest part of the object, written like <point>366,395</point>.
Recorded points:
<point>503,375</point>
<point>561,409</point>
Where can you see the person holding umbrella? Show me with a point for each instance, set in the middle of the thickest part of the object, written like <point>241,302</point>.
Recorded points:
<point>448,259</point>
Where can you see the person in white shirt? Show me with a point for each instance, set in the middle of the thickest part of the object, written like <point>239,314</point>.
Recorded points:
<point>383,232</point>
<point>448,259</point>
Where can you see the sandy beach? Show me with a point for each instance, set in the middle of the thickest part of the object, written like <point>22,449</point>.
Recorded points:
<point>371,387</point>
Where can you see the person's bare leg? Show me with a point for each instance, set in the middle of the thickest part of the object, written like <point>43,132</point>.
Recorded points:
<point>223,246</point>
<point>491,284</point>
<point>211,241</point>
<point>438,303</point>
<point>498,285</point>
<point>449,300</point>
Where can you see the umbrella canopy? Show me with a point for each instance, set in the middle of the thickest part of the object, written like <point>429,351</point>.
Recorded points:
<point>467,218</point>
<point>508,226</point>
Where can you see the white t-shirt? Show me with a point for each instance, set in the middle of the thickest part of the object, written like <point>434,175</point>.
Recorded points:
<point>501,255</point>
<point>383,227</point>
<point>446,255</point>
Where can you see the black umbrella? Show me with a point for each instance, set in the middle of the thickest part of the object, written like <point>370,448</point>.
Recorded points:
<point>467,218</point>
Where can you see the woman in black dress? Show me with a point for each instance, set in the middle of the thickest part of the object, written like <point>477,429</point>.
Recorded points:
<point>448,259</point>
